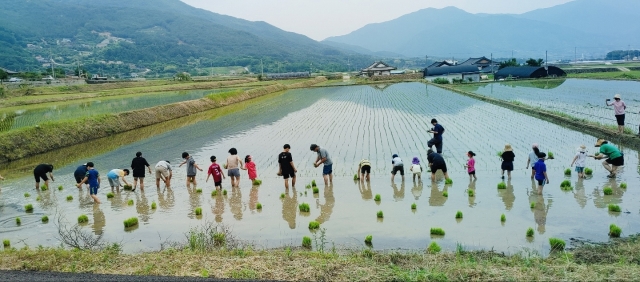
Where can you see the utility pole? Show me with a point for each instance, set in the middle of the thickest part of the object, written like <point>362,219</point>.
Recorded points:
<point>546,62</point>
<point>628,54</point>
<point>575,55</point>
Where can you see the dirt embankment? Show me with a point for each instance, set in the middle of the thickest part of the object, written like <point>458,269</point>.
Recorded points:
<point>50,136</point>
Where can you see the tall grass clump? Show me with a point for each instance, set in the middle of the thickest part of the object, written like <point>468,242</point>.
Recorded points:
<point>44,219</point>
<point>214,193</point>
<point>614,208</point>
<point>304,207</point>
<point>437,231</point>
<point>257,182</point>
<point>502,185</point>
<point>557,244</point>
<point>530,232</point>
<point>368,239</point>
<point>607,190</point>
<point>623,185</point>
<point>28,207</point>
<point>550,155</point>
<point>110,195</point>
<point>129,222</point>
<point>434,248</point>
<point>224,192</point>
<point>533,205</point>
<point>313,183</point>
<point>127,187</point>
<point>282,195</point>
<point>377,198</point>
<point>567,172</point>
<point>153,205</point>
<point>503,218</point>
<point>314,225</point>
<point>198,211</point>
<point>614,231</point>
<point>448,181</point>
<point>355,177</point>
<point>380,214</point>
<point>588,171</point>
<point>198,190</point>
<point>445,194</point>
<point>459,214</point>
<point>306,242</point>
<point>83,218</point>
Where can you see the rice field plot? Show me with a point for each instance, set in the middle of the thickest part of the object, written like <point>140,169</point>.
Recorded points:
<point>580,98</point>
<point>353,123</point>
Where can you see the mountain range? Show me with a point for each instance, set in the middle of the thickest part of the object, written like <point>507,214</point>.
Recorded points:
<point>581,27</point>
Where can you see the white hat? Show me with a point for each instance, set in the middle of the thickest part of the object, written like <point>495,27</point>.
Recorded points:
<point>617,96</point>
<point>582,148</point>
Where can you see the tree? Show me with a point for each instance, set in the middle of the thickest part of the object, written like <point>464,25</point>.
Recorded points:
<point>534,63</point>
<point>3,75</point>
<point>509,63</point>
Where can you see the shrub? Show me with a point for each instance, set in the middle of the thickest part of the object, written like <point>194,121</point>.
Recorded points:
<point>60,188</point>
<point>380,214</point>
<point>471,192</point>
<point>413,206</point>
<point>502,185</point>
<point>607,190</point>
<point>614,208</point>
<point>614,230</point>
<point>259,206</point>
<point>224,192</point>
<point>110,195</point>
<point>18,221</point>
<point>459,214</point>
<point>69,198</point>
<point>199,190</point>
<point>83,218</point>
<point>28,207</point>
<point>367,240</point>
<point>557,244</point>
<point>127,187</point>
<point>27,195</point>
<point>198,211</point>
<point>306,242</point>
<point>44,187</point>
<point>45,219</point>
<point>314,225</point>
<point>437,231</point>
<point>6,242</point>
<point>153,205</point>
<point>133,221</point>
<point>623,185</point>
<point>316,190</point>
<point>214,193</point>
<point>503,218</point>
<point>588,171</point>
<point>530,232</point>
<point>448,181</point>
<point>434,248</point>
<point>377,198</point>
<point>567,172</point>
<point>445,194</point>
<point>440,80</point>
<point>257,182</point>
<point>130,202</point>
<point>304,207</point>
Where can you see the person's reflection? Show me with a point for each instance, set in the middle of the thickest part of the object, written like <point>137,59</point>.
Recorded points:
<point>472,200</point>
<point>436,198</point>
<point>540,211</point>
<point>218,208</point>
<point>416,190</point>
<point>116,201</point>
<point>99,220</point>
<point>327,208</point>
<point>365,189</point>
<point>235,203</point>
<point>398,194</point>
<point>142,206</point>
<point>507,195</point>
<point>578,193</point>
<point>166,199</point>
<point>253,198</point>
<point>289,208</point>
<point>194,197</point>
<point>602,201</point>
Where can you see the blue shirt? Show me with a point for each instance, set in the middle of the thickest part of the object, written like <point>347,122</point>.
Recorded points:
<point>540,167</point>
<point>92,176</point>
<point>439,129</point>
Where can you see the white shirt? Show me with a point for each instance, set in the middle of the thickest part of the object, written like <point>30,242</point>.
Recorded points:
<point>581,161</point>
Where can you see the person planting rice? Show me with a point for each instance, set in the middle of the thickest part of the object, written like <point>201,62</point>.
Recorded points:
<point>216,171</point>
<point>541,172</point>
<point>286,167</point>
<point>163,171</point>
<point>40,172</point>
<point>114,177</point>
<point>618,107</point>
<point>92,178</point>
<point>615,158</point>
<point>234,163</point>
<point>416,169</point>
<point>507,160</point>
<point>323,158</point>
<point>191,169</point>
<point>533,159</point>
<point>471,165</point>
<point>80,173</point>
<point>364,167</point>
<point>437,131</point>
<point>397,166</point>
<point>580,160</point>
<point>137,166</point>
<point>250,167</point>
<point>436,162</point>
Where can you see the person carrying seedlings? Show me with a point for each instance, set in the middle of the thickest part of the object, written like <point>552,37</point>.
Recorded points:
<point>364,168</point>
<point>114,177</point>
<point>286,167</point>
<point>323,158</point>
<point>163,171</point>
<point>541,172</point>
<point>618,107</point>
<point>437,131</point>
<point>507,160</point>
<point>233,165</point>
<point>436,162</point>
<point>80,173</point>
<point>615,158</point>
<point>416,169</point>
<point>471,165</point>
<point>533,158</point>
<point>191,169</point>
<point>397,166</point>
<point>92,178</point>
<point>40,172</point>
<point>137,165</point>
<point>216,171</point>
<point>250,167</point>
<point>580,160</point>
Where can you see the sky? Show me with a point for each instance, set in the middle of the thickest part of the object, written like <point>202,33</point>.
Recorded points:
<point>321,19</point>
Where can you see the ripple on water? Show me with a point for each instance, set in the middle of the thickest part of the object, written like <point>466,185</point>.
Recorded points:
<point>8,223</point>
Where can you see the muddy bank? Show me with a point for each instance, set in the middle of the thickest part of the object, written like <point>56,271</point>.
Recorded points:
<point>26,142</point>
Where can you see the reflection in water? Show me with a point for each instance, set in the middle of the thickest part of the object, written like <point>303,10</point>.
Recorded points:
<point>398,194</point>
<point>541,209</point>
<point>578,193</point>
<point>218,208</point>
<point>194,200</point>
<point>436,198</point>
<point>472,200</point>
<point>99,220</point>
<point>365,189</point>
<point>166,199</point>
<point>601,201</point>
<point>142,206</point>
<point>116,201</point>
<point>289,208</point>
<point>417,189</point>
<point>46,200</point>
<point>507,195</point>
<point>253,198</point>
<point>327,208</point>
<point>235,203</point>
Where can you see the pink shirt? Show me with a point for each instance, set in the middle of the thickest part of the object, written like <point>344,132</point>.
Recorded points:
<point>619,107</point>
<point>251,170</point>
<point>471,165</point>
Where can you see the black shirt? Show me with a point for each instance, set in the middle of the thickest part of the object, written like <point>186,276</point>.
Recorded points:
<point>285,159</point>
<point>43,169</point>
<point>138,164</point>
<point>435,159</point>
<point>508,156</point>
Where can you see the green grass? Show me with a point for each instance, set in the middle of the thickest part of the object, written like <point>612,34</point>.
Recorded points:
<point>459,214</point>
<point>110,195</point>
<point>314,225</point>
<point>607,190</point>
<point>153,205</point>
<point>445,194</point>
<point>130,202</point>
<point>530,232</point>
<point>304,207</point>
<point>44,188</point>
<point>614,231</point>
<point>214,193</point>
<point>306,242</point>
<point>557,244</point>
<point>380,214</point>
<point>6,242</point>
<point>413,206</point>
<point>257,182</point>
<point>503,218</point>
<point>27,195</point>
<point>567,172</point>
<point>44,219</point>
<point>18,221</point>
<point>129,222</point>
<point>282,195</point>
<point>198,211</point>
<point>28,207</point>
<point>502,185</point>
<point>623,185</point>
<point>83,218</point>
<point>367,239</point>
<point>377,198</point>
<point>259,206</point>
<point>69,198</point>
<point>60,188</point>
<point>632,75</point>
<point>436,231</point>
<point>199,190</point>
<point>316,190</point>
<point>448,181</point>
<point>614,208</point>
<point>224,192</point>
<point>434,248</point>
<point>588,171</point>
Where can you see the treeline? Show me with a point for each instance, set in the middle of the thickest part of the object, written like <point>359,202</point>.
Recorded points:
<point>622,55</point>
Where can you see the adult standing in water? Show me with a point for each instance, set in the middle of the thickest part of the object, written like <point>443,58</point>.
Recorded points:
<point>40,172</point>
<point>437,131</point>
<point>615,158</point>
<point>618,107</point>
<point>287,168</point>
<point>234,163</point>
<point>137,165</point>
<point>164,172</point>
<point>533,158</point>
<point>80,173</point>
<point>323,158</point>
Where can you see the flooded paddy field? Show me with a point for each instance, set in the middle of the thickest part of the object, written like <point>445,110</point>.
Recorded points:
<point>352,123</point>
<point>581,98</point>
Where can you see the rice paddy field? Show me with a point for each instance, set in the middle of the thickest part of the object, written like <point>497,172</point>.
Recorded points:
<point>580,98</point>
<point>352,123</point>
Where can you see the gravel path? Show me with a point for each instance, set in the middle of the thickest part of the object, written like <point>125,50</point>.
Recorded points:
<point>12,275</point>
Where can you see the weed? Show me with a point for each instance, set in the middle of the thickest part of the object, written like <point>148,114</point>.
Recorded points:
<point>437,231</point>
<point>110,195</point>
<point>45,219</point>
<point>18,221</point>
<point>607,190</point>
<point>306,242</point>
<point>127,187</point>
<point>377,198</point>
<point>257,182</point>
<point>614,208</point>
<point>445,194</point>
<point>502,185</point>
<point>198,190</point>
<point>434,248</point>
<point>259,206</point>
<point>282,196</point>
<point>380,214</point>
<point>557,244</point>
<point>69,198</point>
<point>413,206</point>
<point>448,181</point>
<point>471,192</point>
<point>316,190</point>
<point>459,214</point>
<point>27,195</point>
<point>153,205</point>
<point>60,188</point>
<point>214,193</point>
<point>83,218</point>
<point>550,155</point>
<point>320,240</point>
<point>533,205</point>
<point>367,240</point>
<point>224,192</point>
<point>130,202</point>
<point>503,218</point>
<point>198,211</point>
<point>313,183</point>
<point>44,187</point>
<point>314,225</point>
<point>6,242</point>
<point>530,232</point>
<point>132,221</point>
<point>28,207</point>
<point>614,230</point>
<point>623,185</point>
<point>588,171</point>
<point>204,273</point>
<point>220,239</point>
<point>304,207</point>
<point>567,172</point>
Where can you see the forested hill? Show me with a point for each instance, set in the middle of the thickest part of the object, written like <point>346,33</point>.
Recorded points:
<point>161,35</point>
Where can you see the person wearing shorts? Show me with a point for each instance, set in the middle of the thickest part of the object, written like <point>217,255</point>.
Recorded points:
<point>615,158</point>
<point>80,173</point>
<point>416,169</point>
<point>191,169</point>
<point>287,168</point>
<point>541,172</point>
<point>92,178</point>
<point>40,172</point>
<point>137,166</point>
<point>114,177</point>
<point>216,171</point>
<point>233,165</point>
<point>437,131</point>
<point>436,162</point>
<point>618,107</point>
<point>397,166</point>
<point>364,169</point>
<point>163,171</point>
<point>325,159</point>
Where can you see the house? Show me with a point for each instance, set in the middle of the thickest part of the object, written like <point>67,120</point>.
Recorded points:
<point>9,72</point>
<point>442,63</point>
<point>529,72</point>
<point>459,72</point>
<point>377,68</point>
<point>482,61</point>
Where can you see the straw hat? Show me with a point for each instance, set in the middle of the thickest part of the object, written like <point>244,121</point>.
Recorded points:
<point>617,96</point>
<point>599,142</point>
<point>507,148</point>
<point>582,148</point>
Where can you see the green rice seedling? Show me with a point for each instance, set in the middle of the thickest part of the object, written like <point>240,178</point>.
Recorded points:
<point>44,219</point>
<point>28,207</point>
<point>306,242</point>
<point>38,198</point>
<point>445,194</point>
<point>214,193</point>
<point>198,211</point>
<point>471,192</point>
<point>557,244</point>
<point>44,187</point>
<point>499,154</point>
<point>6,242</point>
<point>257,182</point>
<point>83,218</point>
<point>199,190</point>
<point>367,240</point>
<point>588,171</point>
<point>60,188</point>
<point>413,206</point>
<point>314,225</point>
<point>502,185</point>
<point>18,221</point>
<point>282,195</point>
<point>614,208</point>
<point>153,205</point>
<point>434,248</point>
<point>259,206</point>
<point>224,192</point>
<point>313,183</point>
<point>565,183</point>
<point>458,214</point>
<point>127,187</point>
<point>316,190</point>
<point>380,214</point>
<point>130,202</point>
<point>530,232</point>
<point>550,155</point>
<point>308,186</point>
<point>69,198</point>
<point>614,231</point>
<point>27,195</point>
<point>448,181</point>
<point>304,207</point>
<point>533,205</point>
<point>204,273</point>
<point>567,172</point>
<point>377,198</point>
<point>110,195</point>
<point>355,176</point>
<point>129,222</point>
<point>503,218</point>
<point>607,190</point>
<point>623,185</point>
<point>437,231</point>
